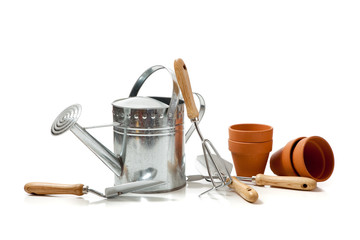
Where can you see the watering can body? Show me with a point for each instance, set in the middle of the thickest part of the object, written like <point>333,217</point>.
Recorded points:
<point>149,139</point>
<point>149,147</point>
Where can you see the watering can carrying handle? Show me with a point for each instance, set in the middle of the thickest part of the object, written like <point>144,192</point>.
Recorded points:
<point>175,94</point>
<point>174,99</point>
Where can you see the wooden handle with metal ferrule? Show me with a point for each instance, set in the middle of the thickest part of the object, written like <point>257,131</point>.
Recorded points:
<point>185,86</point>
<point>245,191</point>
<point>291,182</point>
<point>42,188</point>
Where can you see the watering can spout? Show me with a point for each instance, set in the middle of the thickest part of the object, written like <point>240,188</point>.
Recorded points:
<point>67,121</point>
<point>106,156</point>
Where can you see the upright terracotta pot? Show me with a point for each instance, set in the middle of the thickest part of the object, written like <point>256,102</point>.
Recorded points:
<point>250,158</point>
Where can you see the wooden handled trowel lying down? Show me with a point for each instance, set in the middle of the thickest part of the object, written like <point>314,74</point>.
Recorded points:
<point>245,191</point>
<point>42,188</point>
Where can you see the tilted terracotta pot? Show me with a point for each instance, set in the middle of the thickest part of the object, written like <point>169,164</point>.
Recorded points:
<point>250,132</point>
<point>314,158</point>
<point>306,157</point>
<point>250,158</point>
<point>281,160</point>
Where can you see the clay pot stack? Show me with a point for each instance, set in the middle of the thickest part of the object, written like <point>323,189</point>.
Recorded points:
<point>250,145</point>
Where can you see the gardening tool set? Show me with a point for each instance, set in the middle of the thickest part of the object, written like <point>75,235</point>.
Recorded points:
<point>149,148</point>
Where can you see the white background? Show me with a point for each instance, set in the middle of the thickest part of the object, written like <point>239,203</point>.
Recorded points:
<point>290,64</point>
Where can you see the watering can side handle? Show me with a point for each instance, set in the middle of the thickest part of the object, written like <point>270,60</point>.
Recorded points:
<point>201,114</point>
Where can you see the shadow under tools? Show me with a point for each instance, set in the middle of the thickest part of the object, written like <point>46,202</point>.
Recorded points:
<point>258,202</point>
<point>317,189</point>
<point>127,199</point>
<point>80,201</point>
<point>58,199</point>
<point>197,184</point>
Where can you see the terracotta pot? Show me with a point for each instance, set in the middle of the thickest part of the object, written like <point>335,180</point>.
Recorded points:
<point>314,158</point>
<point>250,132</point>
<point>250,158</point>
<point>281,160</point>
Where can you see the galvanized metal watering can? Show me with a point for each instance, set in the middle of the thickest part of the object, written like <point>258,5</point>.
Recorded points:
<point>149,140</point>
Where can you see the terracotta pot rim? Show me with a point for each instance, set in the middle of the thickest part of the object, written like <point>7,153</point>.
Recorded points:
<point>264,129</point>
<point>250,148</point>
<point>250,143</point>
<point>250,132</point>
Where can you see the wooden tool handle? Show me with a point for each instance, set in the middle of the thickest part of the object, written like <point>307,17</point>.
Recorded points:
<point>245,191</point>
<point>292,182</point>
<point>185,86</point>
<point>42,188</point>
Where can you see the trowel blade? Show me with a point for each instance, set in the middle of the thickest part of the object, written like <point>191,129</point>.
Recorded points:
<point>220,163</point>
<point>130,187</point>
